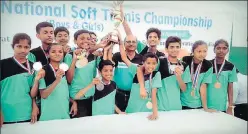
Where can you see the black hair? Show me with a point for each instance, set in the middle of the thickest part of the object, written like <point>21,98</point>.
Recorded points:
<point>221,41</point>
<point>60,29</point>
<point>53,44</point>
<point>150,55</point>
<point>20,36</point>
<point>41,25</point>
<point>196,44</point>
<point>172,39</point>
<point>156,30</point>
<point>50,46</point>
<point>90,32</point>
<point>76,34</point>
<point>104,63</point>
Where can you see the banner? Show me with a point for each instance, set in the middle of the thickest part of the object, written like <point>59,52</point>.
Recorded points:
<point>190,21</point>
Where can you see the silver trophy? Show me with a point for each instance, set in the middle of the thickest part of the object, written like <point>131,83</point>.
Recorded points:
<point>117,18</point>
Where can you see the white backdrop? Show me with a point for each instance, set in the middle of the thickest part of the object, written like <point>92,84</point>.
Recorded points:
<point>191,21</point>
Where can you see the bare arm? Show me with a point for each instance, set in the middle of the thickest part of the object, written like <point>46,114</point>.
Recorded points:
<point>178,73</point>
<point>105,54</point>
<point>117,110</point>
<point>154,101</point>
<point>124,55</point>
<point>181,83</point>
<point>72,101</point>
<point>230,99</point>
<point>110,54</point>
<point>34,89</point>
<point>46,92</point>
<point>95,48</point>
<point>126,27</point>
<point>230,94</point>
<point>140,77</point>
<point>1,118</point>
<point>203,89</point>
<point>83,91</point>
<point>71,70</point>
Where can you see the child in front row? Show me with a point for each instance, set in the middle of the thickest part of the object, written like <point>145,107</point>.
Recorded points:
<point>152,83</point>
<point>105,89</point>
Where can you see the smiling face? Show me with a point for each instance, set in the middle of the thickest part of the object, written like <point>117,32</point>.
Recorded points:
<point>150,64</point>
<point>130,43</point>
<point>153,39</point>
<point>83,41</point>
<point>56,53</point>
<point>107,72</point>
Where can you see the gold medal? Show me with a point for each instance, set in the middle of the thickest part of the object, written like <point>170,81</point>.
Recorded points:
<point>217,85</point>
<point>149,105</point>
<point>192,93</point>
<point>81,62</point>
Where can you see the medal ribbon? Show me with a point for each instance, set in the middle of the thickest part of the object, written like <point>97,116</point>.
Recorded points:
<point>21,65</point>
<point>44,53</point>
<point>150,86</point>
<point>216,70</point>
<point>53,70</point>
<point>170,71</point>
<point>194,77</point>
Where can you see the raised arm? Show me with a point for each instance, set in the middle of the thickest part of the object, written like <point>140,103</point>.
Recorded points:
<point>122,51</point>
<point>71,70</point>
<point>178,73</point>
<point>124,23</point>
<point>34,89</point>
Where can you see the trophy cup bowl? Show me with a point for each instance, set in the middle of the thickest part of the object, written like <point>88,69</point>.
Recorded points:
<point>117,21</point>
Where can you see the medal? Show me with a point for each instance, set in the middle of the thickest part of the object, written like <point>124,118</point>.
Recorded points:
<point>172,68</point>
<point>81,62</point>
<point>149,105</point>
<point>37,66</point>
<point>63,67</point>
<point>45,53</point>
<point>192,93</point>
<point>218,84</point>
<point>194,77</point>
<point>100,86</point>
